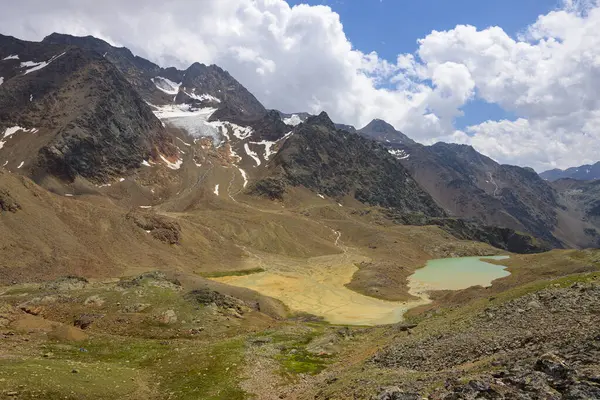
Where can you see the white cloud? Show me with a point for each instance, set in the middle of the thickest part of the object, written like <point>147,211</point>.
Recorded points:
<point>299,59</point>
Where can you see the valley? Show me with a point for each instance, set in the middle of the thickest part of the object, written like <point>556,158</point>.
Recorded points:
<point>165,236</point>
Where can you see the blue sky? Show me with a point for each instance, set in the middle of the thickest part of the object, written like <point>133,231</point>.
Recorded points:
<point>392,27</point>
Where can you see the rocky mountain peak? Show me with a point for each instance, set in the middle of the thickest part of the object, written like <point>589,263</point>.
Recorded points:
<point>585,172</point>
<point>383,131</point>
<point>464,151</point>
<point>379,126</point>
<point>88,118</point>
<point>322,120</point>
<point>237,101</point>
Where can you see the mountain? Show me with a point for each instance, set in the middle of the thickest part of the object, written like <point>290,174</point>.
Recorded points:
<point>470,185</point>
<point>297,118</point>
<point>199,84</point>
<point>69,112</point>
<point>337,163</point>
<point>383,132</point>
<point>152,110</point>
<point>345,127</point>
<point>585,173</point>
<point>583,199</point>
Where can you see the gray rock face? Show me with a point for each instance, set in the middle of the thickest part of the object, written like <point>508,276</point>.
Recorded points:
<point>337,163</point>
<point>383,132</point>
<point>90,121</point>
<point>584,198</point>
<point>219,83</point>
<point>502,238</point>
<point>394,393</point>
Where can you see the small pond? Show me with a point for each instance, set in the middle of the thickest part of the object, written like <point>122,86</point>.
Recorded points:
<point>458,273</point>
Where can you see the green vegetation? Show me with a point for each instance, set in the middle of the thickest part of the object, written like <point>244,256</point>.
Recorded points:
<point>294,356</point>
<point>113,368</point>
<point>300,361</point>
<point>56,379</point>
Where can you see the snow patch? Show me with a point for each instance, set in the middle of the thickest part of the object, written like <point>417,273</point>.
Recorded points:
<point>11,57</point>
<point>187,144</point>
<point>146,207</point>
<point>252,154</point>
<point>194,121</point>
<point>234,154</point>
<point>68,195</point>
<point>240,132</point>
<point>216,191</point>
<point>121,179</point>
<point>6,162</point>
<point>175,165</point>
<point>287,135</point>
<point>20,165</point>
<point>1,80</point>
<point>30,97</point>
<point>293,120</point>
<point>340,205</point>
<point>399,154</point>
<point>202,97</point>
<point>146,163</point>
<point>321,196</point>
<point>166,85</point>
<point>268,145</point>
<point>8,132</point>
<point>35,66</point>
<point>244,176</point>
<point>189,118</point>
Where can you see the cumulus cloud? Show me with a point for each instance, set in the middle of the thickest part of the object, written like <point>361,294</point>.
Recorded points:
<point>299,59</point>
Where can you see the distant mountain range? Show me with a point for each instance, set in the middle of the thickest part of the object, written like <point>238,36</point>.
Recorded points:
<point>78,108</point>
<point>585,173</point>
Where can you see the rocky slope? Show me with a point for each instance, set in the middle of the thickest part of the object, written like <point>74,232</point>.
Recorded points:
<point>336,163</point>
<point>69,112</point>
<point>470,185</point>
<point>582,199</point>
<point>527,343</point>
<point>531,341</point>
<point>584,172</point>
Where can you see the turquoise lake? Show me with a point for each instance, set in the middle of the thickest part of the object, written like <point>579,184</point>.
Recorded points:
<point>458,273</point>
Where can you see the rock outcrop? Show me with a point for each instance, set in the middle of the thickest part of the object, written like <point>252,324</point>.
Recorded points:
<point>337,163</point>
